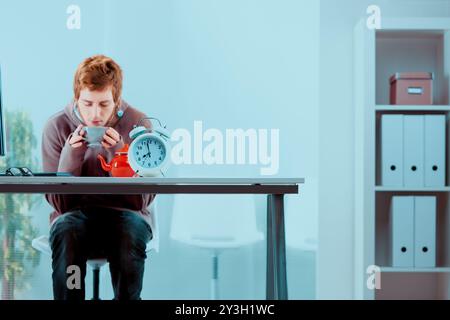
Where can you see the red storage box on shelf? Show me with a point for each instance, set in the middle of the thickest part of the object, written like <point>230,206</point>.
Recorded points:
<point>412,88</point>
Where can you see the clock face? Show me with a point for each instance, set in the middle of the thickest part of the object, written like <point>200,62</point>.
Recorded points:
<point>149,152</point>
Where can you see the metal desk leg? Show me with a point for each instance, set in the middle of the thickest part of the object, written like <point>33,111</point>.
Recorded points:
<point>270,273</point>
<point>96,283</point>
<point>276,282</point>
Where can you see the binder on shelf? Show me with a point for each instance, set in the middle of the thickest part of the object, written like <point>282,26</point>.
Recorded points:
<point>413,150</point>
<point>402,231</point>
<point>435,150</point>
<point>392,150</point>
<point>425,232</point>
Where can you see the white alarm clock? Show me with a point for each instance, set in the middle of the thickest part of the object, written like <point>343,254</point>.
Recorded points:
<point>149,151</point>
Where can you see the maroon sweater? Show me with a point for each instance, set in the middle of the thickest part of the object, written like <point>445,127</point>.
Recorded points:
<point>59,156</point>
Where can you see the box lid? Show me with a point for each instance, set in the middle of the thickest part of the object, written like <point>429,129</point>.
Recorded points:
<point>411,76</point>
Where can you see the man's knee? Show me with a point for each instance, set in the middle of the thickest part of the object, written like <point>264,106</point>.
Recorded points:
<point>134,225</point>
<point>134,231</point>
<point>69,227</point>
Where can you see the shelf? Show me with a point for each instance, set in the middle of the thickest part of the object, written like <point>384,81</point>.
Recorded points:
<point>402,45</point>
<point>415,270</point>
<point>420,108</point>
<point>406,189</point>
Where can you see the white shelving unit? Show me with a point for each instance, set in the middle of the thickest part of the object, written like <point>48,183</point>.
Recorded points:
<point>402,45</point>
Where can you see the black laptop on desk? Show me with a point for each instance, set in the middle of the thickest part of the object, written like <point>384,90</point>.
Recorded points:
<point>25,172</point>
<point>52,174</point>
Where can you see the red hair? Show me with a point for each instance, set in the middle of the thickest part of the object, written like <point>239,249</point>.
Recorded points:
<point>98,73</point>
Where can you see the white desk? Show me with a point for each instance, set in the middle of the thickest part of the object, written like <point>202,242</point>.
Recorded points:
<point>275,188</point>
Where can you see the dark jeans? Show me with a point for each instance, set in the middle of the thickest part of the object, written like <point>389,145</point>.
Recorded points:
<point>119,236</point>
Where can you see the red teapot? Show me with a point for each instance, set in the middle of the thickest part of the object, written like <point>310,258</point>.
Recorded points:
<point>119,166</point>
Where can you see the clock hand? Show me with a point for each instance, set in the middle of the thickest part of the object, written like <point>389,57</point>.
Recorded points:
<point>149,154</point>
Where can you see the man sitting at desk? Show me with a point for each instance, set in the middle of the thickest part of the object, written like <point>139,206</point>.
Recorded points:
<point>117,227</point>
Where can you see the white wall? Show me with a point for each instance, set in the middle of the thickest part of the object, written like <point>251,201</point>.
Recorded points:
<point>231,63</point>
<point>336,189</point>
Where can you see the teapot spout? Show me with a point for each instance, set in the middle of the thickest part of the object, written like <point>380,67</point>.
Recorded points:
<point>105,166</point>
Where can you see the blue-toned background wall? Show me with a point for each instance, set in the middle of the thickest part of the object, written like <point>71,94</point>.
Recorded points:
<point>230,64</point>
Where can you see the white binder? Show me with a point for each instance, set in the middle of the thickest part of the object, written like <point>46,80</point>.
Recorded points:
<point>413,150</point>
<point>392,150</point>
<point>425,232</point>
<point>402,231</point>
<point>435,150</point>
